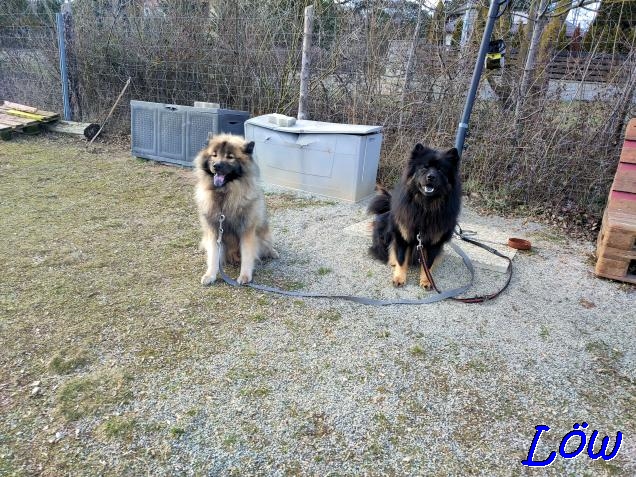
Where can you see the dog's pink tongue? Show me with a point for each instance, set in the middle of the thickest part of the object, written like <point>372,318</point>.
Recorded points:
<point>219,180</point>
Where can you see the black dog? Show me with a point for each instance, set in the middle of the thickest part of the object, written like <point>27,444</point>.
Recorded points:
<point>426,201</point>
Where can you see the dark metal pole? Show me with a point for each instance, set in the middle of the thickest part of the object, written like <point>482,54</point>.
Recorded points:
<point>462,129</point>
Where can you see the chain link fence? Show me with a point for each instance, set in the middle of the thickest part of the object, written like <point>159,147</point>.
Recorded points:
<point>374,62</point>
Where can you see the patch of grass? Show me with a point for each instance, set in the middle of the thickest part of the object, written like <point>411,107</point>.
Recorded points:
<point>382,422</point>
<point>331,314</point>
<point>477,366</point>
<point>552,237</point>
<point>322,271</point>
<point>383,334</point>
<point>294,285</point>
<point>65,362</point>
<point>544,333</point>
<point>374,449</point>
<point>267,277</point>
<point>417,351</point>
<point>601,351</point>
<point>316,426</point>
<point>247,372</point>
<point>255,392</point>
<point>177,431</point>
<point>259,317</point>
<point>93,395</point>
<point>286,200</point>
<point>117,427</point>
<point>229,440</point>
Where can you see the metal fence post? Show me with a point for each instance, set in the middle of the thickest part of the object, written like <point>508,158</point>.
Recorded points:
<point>59,19</point>
<point>462,128</point>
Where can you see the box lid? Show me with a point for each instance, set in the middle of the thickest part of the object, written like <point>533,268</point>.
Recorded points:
<point>179,107</point>
<point>305,126</point>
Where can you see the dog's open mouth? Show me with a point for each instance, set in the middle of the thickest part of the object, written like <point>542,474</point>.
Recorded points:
<point>429,189</point>
<point>219,180</point>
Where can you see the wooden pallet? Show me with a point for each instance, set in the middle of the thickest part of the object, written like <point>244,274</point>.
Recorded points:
<point>16,117</point>
<point>616,244</point>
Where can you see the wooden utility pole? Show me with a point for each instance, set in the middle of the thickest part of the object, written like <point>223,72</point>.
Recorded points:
<point>409,64</point>
<point>304,69</point>
<point>539,22</point>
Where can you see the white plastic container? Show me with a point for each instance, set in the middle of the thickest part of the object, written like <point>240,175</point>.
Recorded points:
<point>330,159</point>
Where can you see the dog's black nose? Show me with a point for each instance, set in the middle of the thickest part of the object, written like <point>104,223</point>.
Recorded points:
<point>216,167</point>
<point>430,176</point>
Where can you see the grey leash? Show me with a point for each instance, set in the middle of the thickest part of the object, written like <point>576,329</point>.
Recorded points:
<point>356,299</point>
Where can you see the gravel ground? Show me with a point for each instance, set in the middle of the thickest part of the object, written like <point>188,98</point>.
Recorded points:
<point>189,380</point>
<point>439,389</point>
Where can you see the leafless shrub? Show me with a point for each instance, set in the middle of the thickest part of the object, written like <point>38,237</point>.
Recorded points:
<point>370,65</point>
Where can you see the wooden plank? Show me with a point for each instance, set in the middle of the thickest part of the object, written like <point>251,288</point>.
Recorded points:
<point>48,115</point>
<point>41,114</point>
<point>621,221</point>
<point>630,131</point>
<point>625,178</point>
<point>20,107</point>
<point>619,240</point>
<point>622,202</point>
<point>609,267</point>
<point>628,154</point>
<point>618,254</point>
<point>625,278</point>
<point>70,127</point>
<point>6,119</point>
<point>22,114</point>
<point>622,278</point>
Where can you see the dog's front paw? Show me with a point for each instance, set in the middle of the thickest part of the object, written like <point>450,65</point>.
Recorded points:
<point>399,276</point>
<point>208,279</point>
<point>425,283</point>
<point>274,254</point>
<point>244,278</point>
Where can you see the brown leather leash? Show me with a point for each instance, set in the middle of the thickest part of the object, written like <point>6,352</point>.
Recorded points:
<point>474,299</point>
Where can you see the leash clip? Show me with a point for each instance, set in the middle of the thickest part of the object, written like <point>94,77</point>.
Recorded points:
<point>221,219</point>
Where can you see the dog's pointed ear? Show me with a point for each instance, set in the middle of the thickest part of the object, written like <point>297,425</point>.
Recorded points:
<point>453,156</point>
<point>249,147</point>
<point>418,148</point>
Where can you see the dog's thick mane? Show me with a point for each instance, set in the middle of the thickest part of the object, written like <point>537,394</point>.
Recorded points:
<point>239,199</point>
<point>413,213</point>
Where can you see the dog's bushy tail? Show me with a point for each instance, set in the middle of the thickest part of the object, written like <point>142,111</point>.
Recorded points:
<point>381,203</point>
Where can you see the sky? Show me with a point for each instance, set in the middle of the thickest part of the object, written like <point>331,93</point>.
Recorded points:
<point>583,16</point>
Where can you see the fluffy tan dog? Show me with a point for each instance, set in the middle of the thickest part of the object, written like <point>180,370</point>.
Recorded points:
<point>226,184</point>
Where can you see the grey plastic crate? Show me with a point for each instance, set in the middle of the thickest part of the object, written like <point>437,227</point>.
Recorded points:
<point>175,134</point>
<point>331,159</point>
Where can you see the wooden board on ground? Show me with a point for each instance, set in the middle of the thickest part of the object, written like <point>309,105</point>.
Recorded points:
<point>71,127</point>
<point>16,117</point>
<point>480,257</point>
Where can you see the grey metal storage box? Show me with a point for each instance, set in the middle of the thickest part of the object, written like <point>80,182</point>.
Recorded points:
<point>176,134</point>
<point>331,159</point>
